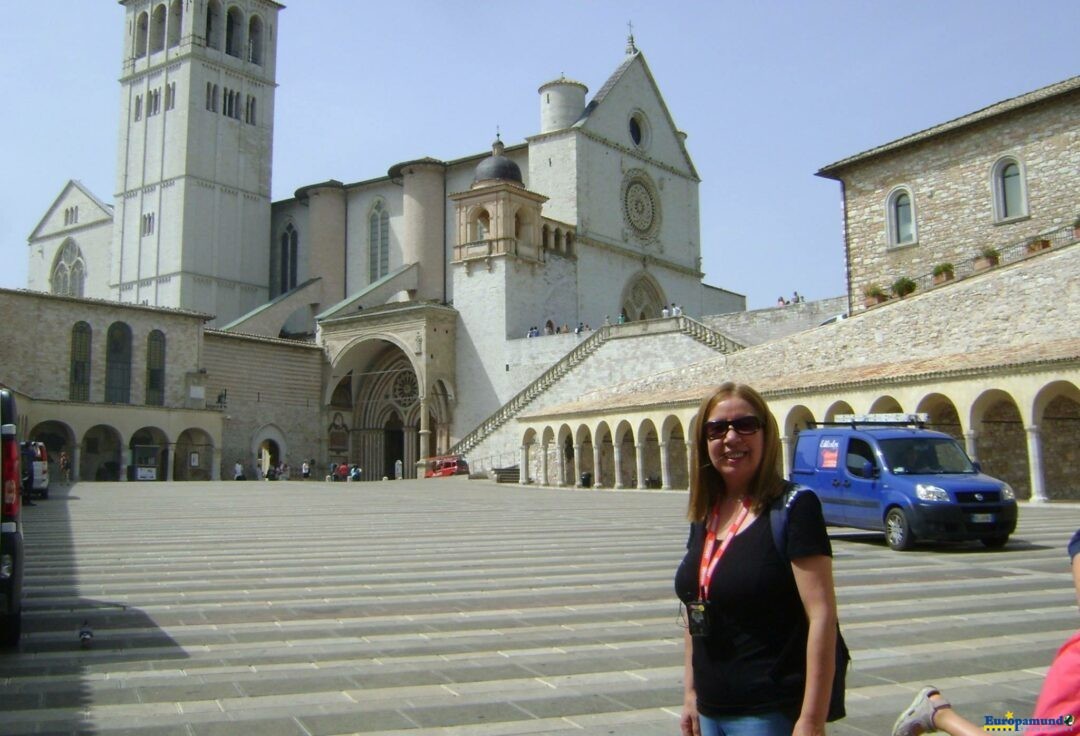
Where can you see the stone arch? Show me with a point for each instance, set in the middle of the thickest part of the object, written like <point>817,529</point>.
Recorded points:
<point>942,414</point>
<point>68,274</point>
<point>194,457</point>
<point>176,17</point>
<point>101,454</point>
<point>648,472</point>
<point>605,473</point>
<point>150,457</point>
<point>386,395</point>
<point>886,404</point>
<point>798,418</point>
<point>675,448</point>
<point>142,33</point>
<point>583,448</point>
<point>1057,418</point>
<point>625,456</point>
<point>57,437</point>
<point>234,31</point>
<point>1000,440</point>
<point>268,448</point>
<point>157,28</point>
<point>836,408</point>
<point>530,456</point>
<point>213,26</point>
<point>642,297</point>
<point>478,221</point>
<point>255,40</point>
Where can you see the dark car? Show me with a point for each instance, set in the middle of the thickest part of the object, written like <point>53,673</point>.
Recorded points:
<point>11,531</point>
<point>903,479</point>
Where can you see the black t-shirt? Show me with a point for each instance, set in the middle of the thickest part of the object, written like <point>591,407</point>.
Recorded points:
<point>753,660</point>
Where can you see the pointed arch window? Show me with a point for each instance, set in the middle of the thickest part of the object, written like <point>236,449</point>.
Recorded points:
<point>118,364</point>
<point>901,222</point>
<point>290,247</point>
<point>1010,190</point>
<point>378,242</point>
<point>69,271</point>
<point>79,380</point>
<point>155,368</point>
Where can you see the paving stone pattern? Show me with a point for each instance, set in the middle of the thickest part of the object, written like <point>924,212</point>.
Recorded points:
<point>463,607</point>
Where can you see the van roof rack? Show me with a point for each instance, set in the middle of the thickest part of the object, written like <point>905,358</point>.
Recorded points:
<point>918,420</point>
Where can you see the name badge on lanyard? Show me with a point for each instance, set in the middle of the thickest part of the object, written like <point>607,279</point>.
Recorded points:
<point>697,611</point>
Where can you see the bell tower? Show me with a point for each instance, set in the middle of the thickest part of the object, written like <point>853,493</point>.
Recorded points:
<point>192,216</point>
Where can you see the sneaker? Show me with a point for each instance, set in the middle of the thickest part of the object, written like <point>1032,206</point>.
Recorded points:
<point>918,718</point>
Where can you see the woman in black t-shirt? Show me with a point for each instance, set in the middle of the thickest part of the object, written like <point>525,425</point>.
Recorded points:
<point>761,635</point>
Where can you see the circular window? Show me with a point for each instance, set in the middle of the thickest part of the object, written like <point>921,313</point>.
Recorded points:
<point>639,130</point>
<point>641,205</point>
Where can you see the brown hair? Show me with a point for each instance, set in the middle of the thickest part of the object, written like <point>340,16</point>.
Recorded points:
<point>706,483</point>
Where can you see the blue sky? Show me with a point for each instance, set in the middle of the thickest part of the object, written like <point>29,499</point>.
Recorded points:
<point>767,91</point>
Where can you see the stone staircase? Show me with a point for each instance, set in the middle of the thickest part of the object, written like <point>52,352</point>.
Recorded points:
<point>683,324</point>
<point>507,475</point>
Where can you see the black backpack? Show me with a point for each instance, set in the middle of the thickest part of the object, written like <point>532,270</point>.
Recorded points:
<point>778,519</point>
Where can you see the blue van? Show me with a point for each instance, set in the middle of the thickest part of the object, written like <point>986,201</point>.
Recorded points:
<point>901,478</point>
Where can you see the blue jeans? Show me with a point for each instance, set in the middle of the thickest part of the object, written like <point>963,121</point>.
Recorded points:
<point>764,724</point>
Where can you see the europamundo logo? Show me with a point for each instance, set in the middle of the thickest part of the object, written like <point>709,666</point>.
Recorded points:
<point>1011,724</point>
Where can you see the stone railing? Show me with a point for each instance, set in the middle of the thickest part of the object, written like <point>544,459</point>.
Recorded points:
<point>690,327</point>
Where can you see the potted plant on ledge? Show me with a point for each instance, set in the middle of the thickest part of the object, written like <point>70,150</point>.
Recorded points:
<point>988,258</point>
<point>874,295</point>
<point>943,272</point>
<point>1039,242</point>
<point>903,286</point>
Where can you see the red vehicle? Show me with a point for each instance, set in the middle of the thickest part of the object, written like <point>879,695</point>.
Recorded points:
<point>446,465</point>
<point>11,530</point>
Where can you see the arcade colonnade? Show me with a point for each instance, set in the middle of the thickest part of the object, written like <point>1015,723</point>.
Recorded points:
<point>1022,428</point>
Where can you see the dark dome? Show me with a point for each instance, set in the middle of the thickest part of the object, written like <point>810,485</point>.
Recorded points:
<point>497,166</point>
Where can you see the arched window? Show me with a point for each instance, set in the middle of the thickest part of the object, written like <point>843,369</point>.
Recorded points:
<point>142,27</point>
<point>213,24</point>
<point>378,242</point>
<point>255,53</point>
<point>157,29</point>
<point>176,16</point>
<point>155,368</point>
<point>234,32</point>
<point>290,246</point>
<point>118,364</point>
<point>482,225</point>
<point>69,271</point>
<point>79,381</point>
<point>900,210</point>
<point>1010,190</point>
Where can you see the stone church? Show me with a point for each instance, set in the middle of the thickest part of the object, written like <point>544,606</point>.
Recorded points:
<point>420,286</point>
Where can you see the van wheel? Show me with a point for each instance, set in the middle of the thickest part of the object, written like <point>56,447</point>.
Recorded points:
<point>995,542</point>
<point>897,530</point>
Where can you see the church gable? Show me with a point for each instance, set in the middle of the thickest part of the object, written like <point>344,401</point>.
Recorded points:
<point>629,112</point>
<point>75,207</point>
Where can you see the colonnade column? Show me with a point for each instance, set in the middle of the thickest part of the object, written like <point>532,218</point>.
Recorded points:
<point>560,466</point>
<point>523,466</point>
<point>689,464</point>
<point>544,464</point>
<point>215,463</point>
<point>170,461</point>
<point>970,446</point>
<point>639,463</point>
<point>785,449</point>
<point>577,467</point>
<point>616,449</point>
<point>1034,448</point>
<point>596,464</point>
<point>412,442</point>
<point>76,462</point>
<point>665,467</point>
<point>425,439</point>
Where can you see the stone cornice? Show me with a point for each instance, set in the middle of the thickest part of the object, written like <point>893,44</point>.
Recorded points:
<point>637,255</point>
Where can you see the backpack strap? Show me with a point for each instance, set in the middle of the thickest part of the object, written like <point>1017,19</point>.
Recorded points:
<point>778,515</point>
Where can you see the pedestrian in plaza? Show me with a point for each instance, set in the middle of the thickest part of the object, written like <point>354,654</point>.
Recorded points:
<point>238,471</point>
<point>1057,710</point>
<point>760,643</point>
<point>305,469</point>
<point>65,466</point>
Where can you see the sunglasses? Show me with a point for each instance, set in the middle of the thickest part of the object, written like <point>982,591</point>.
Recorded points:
<point>718,428</point>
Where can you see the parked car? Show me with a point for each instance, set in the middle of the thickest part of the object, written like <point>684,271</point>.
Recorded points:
<point>894,475</point>
<point>11,529</point>
<point>35,469</point>
<point>445,466</point>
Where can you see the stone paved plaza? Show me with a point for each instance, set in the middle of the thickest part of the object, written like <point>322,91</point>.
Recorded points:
<point>464,607</point>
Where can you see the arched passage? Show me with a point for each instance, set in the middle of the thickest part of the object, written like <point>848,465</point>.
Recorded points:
<point>194,457</point>
<point>642,298</point>
<point>101,454</point>
<point>942,414</point>
<point>57,438</point>
<point>1057,434</point>
<point>149,448</point>
<point>1000,444</point>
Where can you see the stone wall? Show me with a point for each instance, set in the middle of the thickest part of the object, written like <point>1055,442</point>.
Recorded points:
<point>269,383</point>
<point>759,325</point>
<point>950,180</point>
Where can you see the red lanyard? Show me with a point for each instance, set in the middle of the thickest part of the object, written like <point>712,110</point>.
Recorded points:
<point>705,572</point>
